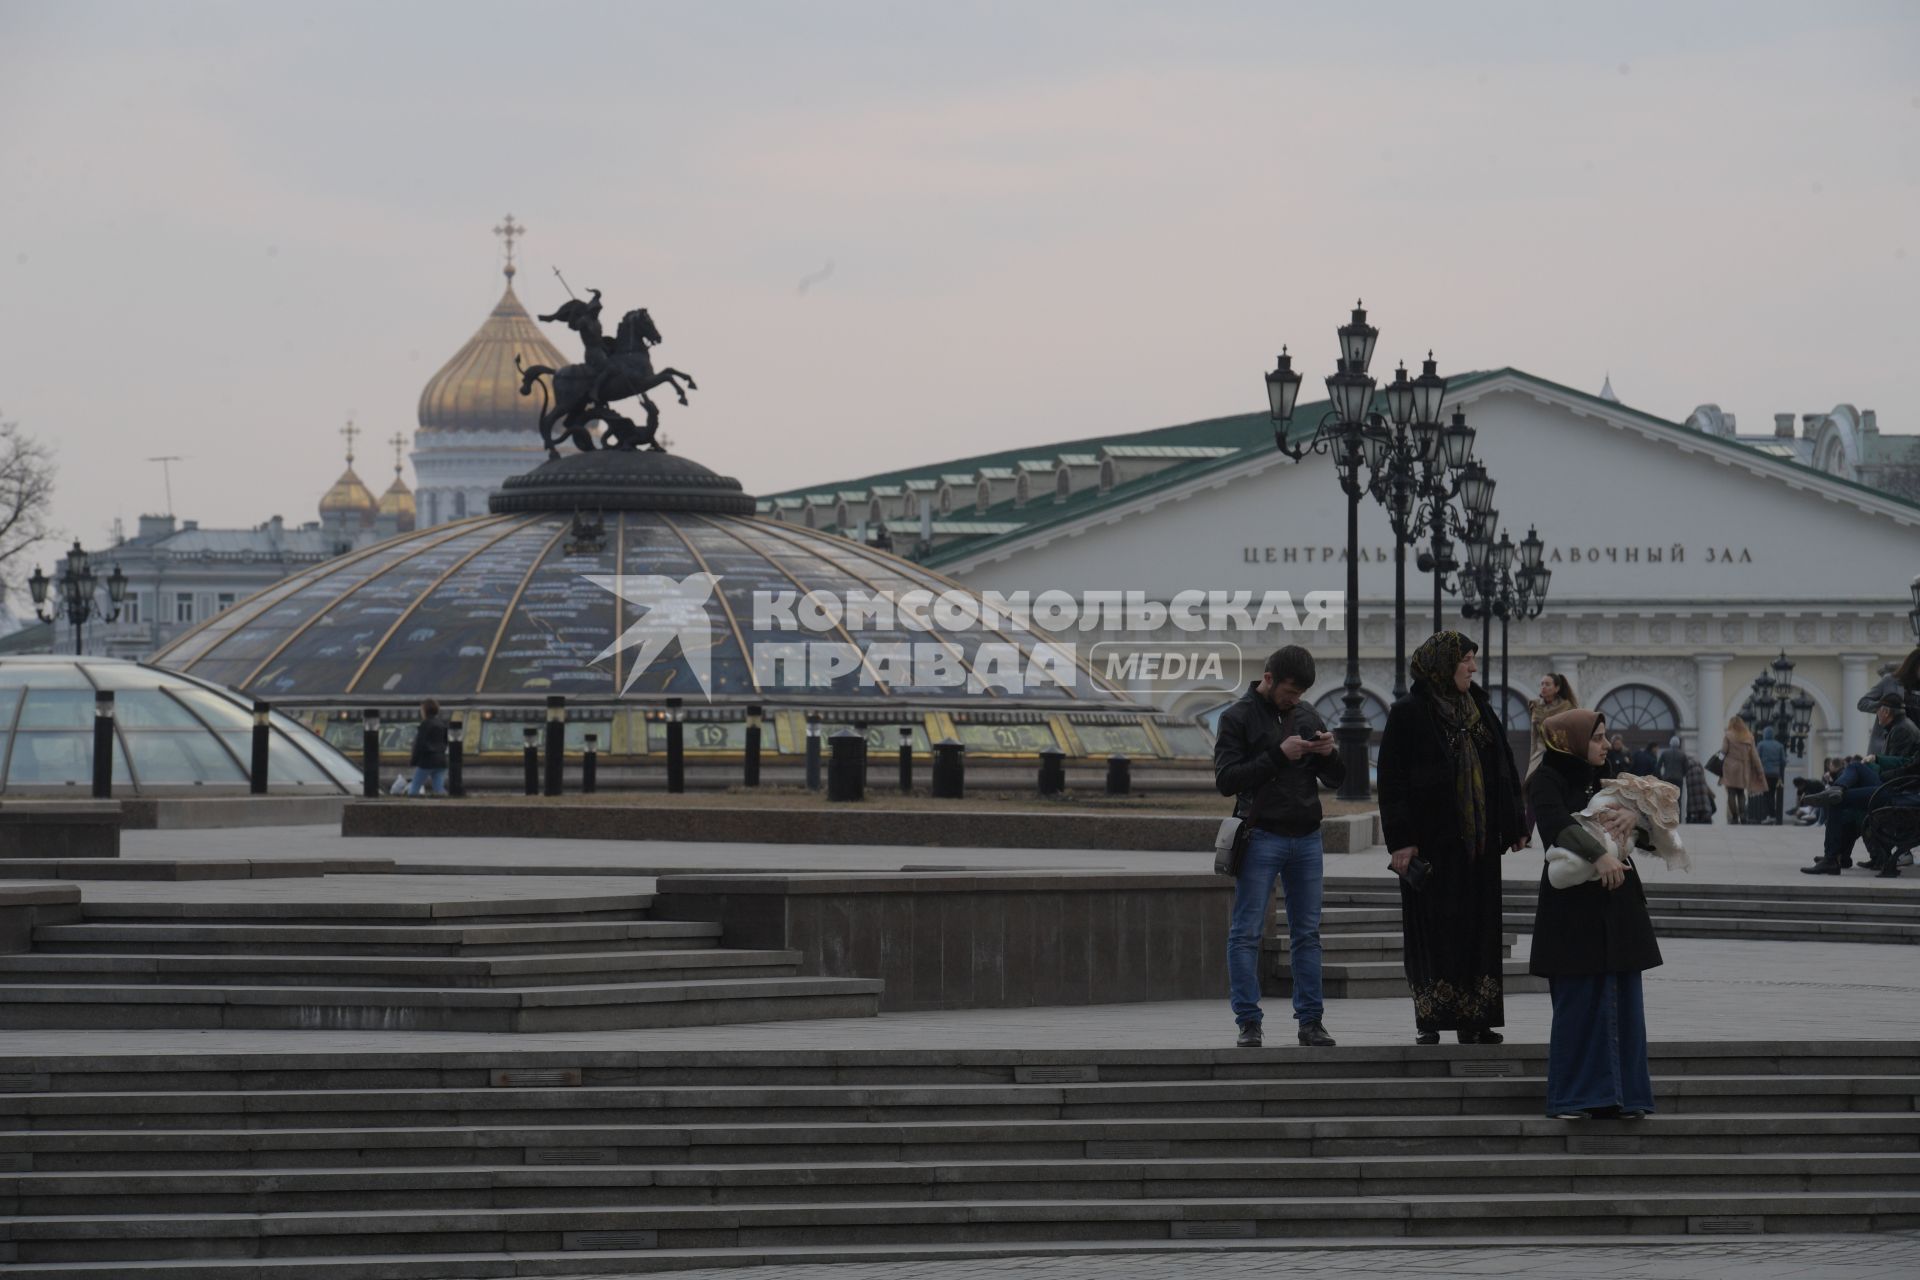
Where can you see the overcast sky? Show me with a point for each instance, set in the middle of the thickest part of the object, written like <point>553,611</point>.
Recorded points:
<point>226,227</point>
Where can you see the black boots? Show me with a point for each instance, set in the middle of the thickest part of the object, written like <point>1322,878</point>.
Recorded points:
<point>1313,1035</point>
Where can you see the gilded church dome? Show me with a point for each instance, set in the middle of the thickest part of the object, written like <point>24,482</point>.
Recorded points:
<point>397,502</point>
<point>348,496</point>
<point>479,389</point>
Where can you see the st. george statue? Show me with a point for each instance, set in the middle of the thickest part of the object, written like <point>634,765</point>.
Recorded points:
<point>613,369</point>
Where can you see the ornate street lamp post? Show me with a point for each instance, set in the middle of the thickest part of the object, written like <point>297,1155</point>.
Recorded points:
<point>1371,455</point>
<point>78,593</point>
<point>1445,454</point>
<point>1775,704</point>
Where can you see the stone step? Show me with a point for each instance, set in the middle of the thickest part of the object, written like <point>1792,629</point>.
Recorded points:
<point>546,969</point>
<point>613,1006</point>
<point>518,1186</point>
<point>1362,947</point>
<point>1505,1094</point>
<point>608,906</point>
<point>545,1141</point>
<point>1010,1256</point>
<point>188,869</point>
<point>1378,979</point>
<point>141,1237</point>
<point>1784,903</point>
<point>374,940</point>
<point>352,1067</point>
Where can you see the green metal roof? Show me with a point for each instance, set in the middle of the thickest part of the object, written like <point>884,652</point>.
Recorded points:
<point>1197,449</point>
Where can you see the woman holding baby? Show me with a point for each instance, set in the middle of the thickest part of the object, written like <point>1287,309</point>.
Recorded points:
<point>1593,940</point>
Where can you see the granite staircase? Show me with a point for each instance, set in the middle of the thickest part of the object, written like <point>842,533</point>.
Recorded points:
<point>338,1165</point>
<point>1813,912</point>
<point>1361,952</point>
<point>527,964</point>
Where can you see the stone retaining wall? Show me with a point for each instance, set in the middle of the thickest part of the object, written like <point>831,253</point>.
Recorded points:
<point>979,940</point>
<point>1041,828</point>
<point>23,907</point>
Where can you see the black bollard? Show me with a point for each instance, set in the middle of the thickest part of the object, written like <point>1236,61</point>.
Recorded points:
<point>1119,775</point>
<point>456,757</point>
<point>813,750</point>
<point>370,752</point>
<point>949,769</point>
<point>103,745</point>
<point>906,759</point>
<point>847,770</point>
<point>531,756</point>
<point>1053,771</point>
<point>754,714</point>
<point>556,741</point>
<point>676,748</point>
<point>590,766</point>
<point>257,773</point>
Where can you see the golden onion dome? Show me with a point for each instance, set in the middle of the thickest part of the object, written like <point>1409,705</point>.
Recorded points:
<point>348,496</point>
<point>397,501</point>
<point>479,389</point>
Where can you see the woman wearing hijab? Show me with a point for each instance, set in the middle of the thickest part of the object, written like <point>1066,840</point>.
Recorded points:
<point>1741,772</point>
<point>1450,797</point>
<point>1556,695</point>
<point>1590,941</point>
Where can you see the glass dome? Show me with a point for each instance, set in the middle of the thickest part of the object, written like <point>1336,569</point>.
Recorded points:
<point>172,733</point>
<point>507,606</point>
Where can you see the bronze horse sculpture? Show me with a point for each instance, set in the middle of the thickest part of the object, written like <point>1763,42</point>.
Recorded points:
<point>615,369</point>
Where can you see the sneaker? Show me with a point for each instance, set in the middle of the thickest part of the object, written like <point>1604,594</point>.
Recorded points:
<point>1635,1115</point>
<point>1568,1115</point>
<point>1427,1037</point>
<point>1249,1036</point>
<point>1315,1036</point>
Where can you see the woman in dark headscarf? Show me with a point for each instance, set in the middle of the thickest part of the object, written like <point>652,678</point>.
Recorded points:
<point>1450,796</point>
<point>1590,941</point>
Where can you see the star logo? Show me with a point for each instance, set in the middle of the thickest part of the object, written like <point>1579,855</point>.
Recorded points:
<point>673,610</point>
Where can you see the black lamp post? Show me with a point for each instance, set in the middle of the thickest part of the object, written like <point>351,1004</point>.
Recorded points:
<point>1445,454</point>
<point>1788,711</point>
<point>78,587</point>
<point>1913,616</point>
<point>1363,446</point>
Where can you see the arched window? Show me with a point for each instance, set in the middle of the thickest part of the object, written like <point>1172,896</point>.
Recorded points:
<point>1332,705</point>
<point>946,500</point>
<point>459,504</point>
<point>1062,485</point>
<point>840,514</point>
<point>1108,474</point>
<point>1022,490</point>
<point>1644,715</point>
<point>1511,705</point>
<point>982,496</point>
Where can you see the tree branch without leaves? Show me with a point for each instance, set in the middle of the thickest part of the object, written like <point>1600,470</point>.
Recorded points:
<point>26,491</point>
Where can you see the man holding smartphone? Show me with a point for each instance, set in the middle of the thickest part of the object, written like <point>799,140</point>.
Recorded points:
<point>1273,754</point>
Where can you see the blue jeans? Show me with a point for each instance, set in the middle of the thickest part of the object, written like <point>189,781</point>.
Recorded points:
<point>1296,862</point>
<point>423,776</point>
<point>1597,1056</point>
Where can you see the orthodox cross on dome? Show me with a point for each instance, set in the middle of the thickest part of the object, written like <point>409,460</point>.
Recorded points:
<point>349,432</point>
<point>399,443</point>
<point>508,231</point>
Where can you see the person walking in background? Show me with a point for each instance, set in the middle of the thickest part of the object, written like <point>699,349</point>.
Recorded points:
<point>429,754</point>
<point>1556,695</point>
<point>1274,754</point>
<point>1740,770</point>
<point>1618,761</point>
<point>1697,803</point>
<point>1644,762</point>
<point>1673,768</point>
<point>1450,805</point>
<point>1591,941</point>
<point>1773,760</point>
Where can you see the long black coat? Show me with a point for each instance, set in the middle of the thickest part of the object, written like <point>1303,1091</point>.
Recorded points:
<point>1452,929</point>
<point>1417,804</point>
<point>1589,928</point>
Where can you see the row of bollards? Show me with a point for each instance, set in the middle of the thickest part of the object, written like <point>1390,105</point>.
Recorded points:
<point>103,738</point>
<point>845,763</point>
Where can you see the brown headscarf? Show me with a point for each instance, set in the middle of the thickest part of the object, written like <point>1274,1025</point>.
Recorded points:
<point>1569,732</point>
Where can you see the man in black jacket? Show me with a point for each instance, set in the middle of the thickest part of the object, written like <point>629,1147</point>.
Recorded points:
<point>1273,754</point>
<point>429,755</point>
